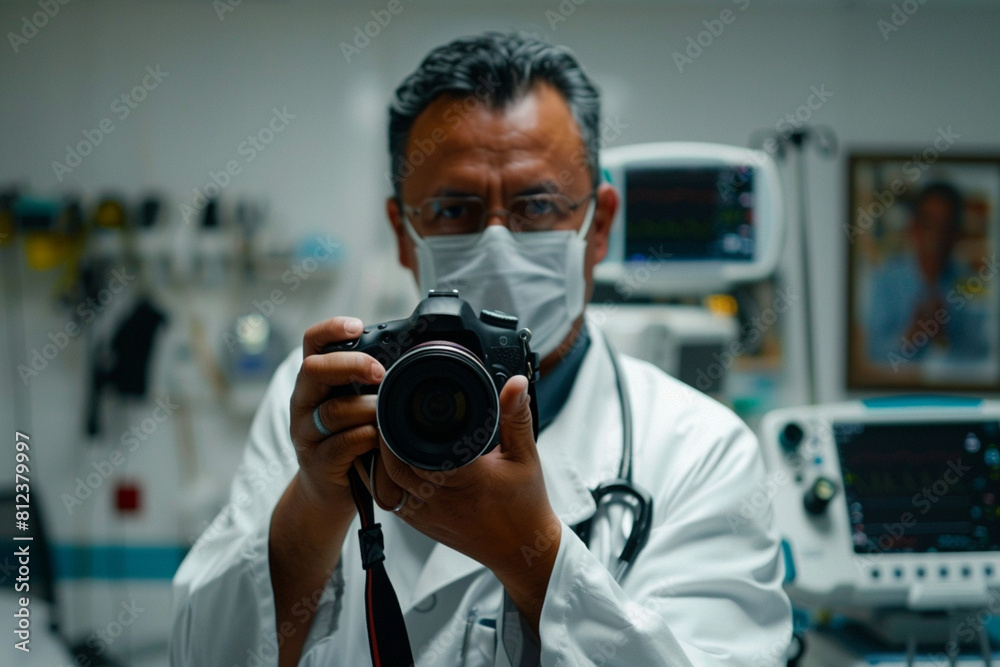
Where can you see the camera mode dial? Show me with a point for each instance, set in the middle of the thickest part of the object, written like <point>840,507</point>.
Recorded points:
<point>498,318</point>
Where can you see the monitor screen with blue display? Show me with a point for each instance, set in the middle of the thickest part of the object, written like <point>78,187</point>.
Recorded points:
<point>690,213</point>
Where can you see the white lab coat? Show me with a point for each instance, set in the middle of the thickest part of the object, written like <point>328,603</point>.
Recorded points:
<point>706,590</point>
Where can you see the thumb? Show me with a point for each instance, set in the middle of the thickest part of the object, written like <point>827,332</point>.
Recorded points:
<point>516,437</point>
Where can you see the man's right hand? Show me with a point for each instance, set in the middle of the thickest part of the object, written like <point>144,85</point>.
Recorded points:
<point>311,519</point>
<point>325,460</point>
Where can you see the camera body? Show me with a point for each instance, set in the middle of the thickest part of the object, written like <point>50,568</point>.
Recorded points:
<point>439,402</point>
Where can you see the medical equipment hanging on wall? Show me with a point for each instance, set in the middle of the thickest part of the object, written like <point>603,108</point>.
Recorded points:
<point>694,219</point>
<point>891,509</point>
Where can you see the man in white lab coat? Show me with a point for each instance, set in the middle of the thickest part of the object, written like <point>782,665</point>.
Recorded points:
<point>494,145</point>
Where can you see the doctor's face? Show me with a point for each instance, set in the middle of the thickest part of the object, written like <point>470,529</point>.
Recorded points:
<point>531,146</point>
<point>934,231</point>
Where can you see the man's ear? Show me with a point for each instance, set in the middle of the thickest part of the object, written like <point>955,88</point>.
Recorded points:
<point>604,215</point>
<point>404,244</point>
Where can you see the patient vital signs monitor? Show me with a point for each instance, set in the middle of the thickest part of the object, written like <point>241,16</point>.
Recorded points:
<point>707,216</point>
<point>889,502</point>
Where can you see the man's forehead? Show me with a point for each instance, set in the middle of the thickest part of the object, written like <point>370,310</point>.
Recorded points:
<point>538,118</point>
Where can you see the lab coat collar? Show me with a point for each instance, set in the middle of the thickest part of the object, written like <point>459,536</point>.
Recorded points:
<point>580,449</point>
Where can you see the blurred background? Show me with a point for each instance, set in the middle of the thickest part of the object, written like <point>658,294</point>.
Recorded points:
<point>187,185</point>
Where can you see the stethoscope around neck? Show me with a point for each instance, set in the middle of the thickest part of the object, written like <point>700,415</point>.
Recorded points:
<point>622,490</point>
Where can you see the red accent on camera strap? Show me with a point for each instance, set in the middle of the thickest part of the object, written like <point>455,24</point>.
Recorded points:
<point>387,639</point>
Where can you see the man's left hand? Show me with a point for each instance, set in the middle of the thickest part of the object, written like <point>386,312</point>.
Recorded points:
<point>494,510</point>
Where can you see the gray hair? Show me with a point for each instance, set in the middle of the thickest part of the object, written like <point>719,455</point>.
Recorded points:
<point>498,68</point>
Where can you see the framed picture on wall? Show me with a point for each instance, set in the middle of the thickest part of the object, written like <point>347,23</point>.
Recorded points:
<point>923,235</point>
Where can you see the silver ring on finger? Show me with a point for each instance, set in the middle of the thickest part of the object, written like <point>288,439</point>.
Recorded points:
<point>320,426</point>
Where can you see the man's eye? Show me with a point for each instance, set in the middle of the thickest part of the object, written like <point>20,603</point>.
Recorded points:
<point>451,211</point>
<point>537,207</point>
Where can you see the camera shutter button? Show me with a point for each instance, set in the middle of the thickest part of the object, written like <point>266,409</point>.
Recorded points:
<point>498,318</point>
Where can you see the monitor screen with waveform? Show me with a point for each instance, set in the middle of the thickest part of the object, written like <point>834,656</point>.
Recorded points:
<point>921,488</point>
<point>690,213</point>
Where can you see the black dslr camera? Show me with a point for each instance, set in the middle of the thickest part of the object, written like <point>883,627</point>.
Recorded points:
<point>439,402</point>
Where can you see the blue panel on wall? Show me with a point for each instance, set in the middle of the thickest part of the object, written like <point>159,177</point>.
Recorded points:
<point>117,561</point>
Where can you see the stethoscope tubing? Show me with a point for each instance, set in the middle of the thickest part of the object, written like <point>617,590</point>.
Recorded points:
<point>641,502</point>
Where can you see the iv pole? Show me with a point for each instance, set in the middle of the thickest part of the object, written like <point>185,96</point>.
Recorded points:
<point>795,141</point>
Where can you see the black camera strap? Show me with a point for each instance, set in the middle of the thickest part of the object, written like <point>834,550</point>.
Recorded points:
<point>387,639</point>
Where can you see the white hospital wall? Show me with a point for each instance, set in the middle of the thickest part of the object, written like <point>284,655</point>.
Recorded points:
<point>325,172</point>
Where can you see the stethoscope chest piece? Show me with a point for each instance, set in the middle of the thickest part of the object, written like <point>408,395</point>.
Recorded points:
<point>640,506</point>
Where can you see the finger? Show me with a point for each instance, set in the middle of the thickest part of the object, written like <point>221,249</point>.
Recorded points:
<point>340,449</point>
<point>338,414</point>
<point>319,372</point>
<point>346,412</point>
<point>333,330</point>
<point>516,437</point>
<point>341,368</point>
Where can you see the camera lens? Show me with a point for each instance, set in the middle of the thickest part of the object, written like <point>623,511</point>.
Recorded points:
<point>437,407</point>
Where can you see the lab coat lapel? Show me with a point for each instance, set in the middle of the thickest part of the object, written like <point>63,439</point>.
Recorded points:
<point>444,567</point>
<point>579,449</point>
<point>582,446</point>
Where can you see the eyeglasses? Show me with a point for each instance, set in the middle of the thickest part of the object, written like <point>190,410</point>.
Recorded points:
<point>438,216</point>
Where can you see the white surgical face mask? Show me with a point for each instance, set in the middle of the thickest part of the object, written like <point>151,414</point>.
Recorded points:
<point>537,276</point>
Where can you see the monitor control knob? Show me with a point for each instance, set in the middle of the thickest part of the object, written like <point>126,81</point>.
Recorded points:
<point>791,437</point>
<point>819,495</point>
